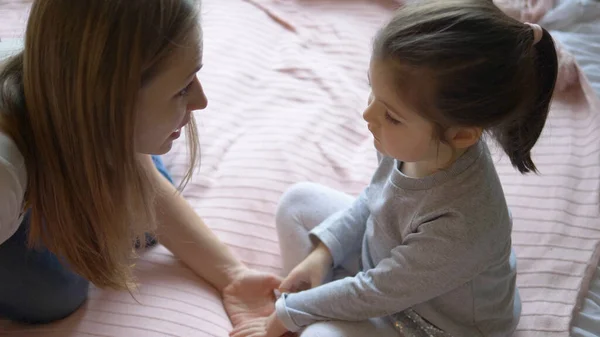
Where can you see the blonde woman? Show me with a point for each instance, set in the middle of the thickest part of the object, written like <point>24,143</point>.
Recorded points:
<point>99,88</point>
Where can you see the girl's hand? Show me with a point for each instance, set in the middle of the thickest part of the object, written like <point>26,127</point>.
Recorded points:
<point>310,272</point>
<point>263,327</point>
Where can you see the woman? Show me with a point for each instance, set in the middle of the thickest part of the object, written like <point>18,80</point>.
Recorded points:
<point>100,89</point>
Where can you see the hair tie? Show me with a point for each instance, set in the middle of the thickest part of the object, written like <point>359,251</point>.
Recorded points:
<point>538,32</point>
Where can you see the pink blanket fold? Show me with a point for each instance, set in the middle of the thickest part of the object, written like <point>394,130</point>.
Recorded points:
<point>286,83</point>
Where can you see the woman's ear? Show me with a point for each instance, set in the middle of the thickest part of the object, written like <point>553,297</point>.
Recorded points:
<point>463,137</point>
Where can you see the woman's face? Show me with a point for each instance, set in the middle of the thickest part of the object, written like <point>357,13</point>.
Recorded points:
<point>166,103</point>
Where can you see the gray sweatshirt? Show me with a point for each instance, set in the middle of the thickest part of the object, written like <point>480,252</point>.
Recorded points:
<point>440,245</point>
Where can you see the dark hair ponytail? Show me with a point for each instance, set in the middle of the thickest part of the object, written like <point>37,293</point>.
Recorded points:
<point>518,137</point>
<point>484,69</point>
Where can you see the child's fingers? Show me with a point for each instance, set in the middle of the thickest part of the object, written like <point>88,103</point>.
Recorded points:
<point>246,331</point>
<point>243,327</point>
<point>288,283</point>
<point>274,282</point>
<point>303,286</point>
<point>251,332</point>
<point>297,287</point>
<point>246,326</point>
<point>291,283</point>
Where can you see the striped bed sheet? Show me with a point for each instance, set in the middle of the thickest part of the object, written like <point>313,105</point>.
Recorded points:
<point>286,82</point>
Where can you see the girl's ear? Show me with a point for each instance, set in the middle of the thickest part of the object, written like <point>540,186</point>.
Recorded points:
<point>463,137</point>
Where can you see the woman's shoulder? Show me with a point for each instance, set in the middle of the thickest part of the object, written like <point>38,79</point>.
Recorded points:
<point>13,183</point>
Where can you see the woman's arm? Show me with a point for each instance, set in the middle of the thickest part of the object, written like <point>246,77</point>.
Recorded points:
<point>184,233</point>
<point>247,294</point>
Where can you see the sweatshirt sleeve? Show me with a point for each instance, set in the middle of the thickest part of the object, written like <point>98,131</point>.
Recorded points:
<point>440,256</point>
<point>343,231</point>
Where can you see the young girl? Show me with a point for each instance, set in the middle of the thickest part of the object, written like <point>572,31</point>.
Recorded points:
<point>99,87</point>
<point>425,250</point>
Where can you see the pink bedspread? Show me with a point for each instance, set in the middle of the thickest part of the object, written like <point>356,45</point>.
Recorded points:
<point>286,82</point>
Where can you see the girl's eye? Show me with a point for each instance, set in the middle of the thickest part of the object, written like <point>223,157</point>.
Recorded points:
<point>186,90</point>
<point>391,119</point>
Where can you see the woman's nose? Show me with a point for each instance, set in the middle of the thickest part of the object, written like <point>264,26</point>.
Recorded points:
<point>197,100</point>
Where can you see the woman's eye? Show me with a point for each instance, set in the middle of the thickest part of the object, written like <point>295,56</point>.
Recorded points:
<point>186,90</point>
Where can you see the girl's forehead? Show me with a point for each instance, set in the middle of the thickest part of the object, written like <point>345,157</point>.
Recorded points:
<point>405,89</point>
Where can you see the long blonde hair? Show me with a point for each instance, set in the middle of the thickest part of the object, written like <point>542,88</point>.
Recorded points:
<point>68,100</point>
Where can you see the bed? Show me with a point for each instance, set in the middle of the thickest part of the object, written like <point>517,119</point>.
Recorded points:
<point>286,82</point>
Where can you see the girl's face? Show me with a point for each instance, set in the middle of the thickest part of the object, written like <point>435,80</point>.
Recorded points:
<point>399,131</point>
<point>166,103</point>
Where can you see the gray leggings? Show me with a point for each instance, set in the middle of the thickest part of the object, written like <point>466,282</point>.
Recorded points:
<point>301,208</point>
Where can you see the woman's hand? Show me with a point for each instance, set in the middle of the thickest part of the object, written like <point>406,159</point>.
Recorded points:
<point>310,272</point>
<point>250,296</point>
<point>263,327</point>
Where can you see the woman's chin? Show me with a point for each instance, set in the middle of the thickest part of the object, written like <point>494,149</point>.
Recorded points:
<point>166,147</point>
<point>158,150</point>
